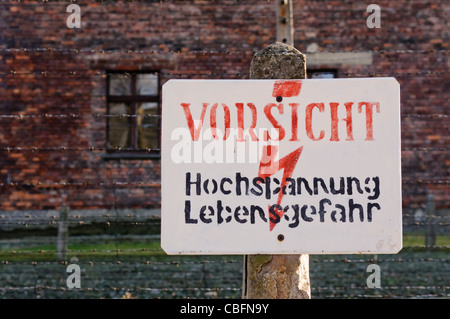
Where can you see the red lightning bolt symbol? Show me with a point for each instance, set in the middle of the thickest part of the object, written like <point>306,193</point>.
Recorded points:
<point>268,166</point>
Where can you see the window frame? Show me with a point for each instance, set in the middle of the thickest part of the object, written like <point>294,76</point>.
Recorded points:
<point>133,152</point>
<point>327,70</point>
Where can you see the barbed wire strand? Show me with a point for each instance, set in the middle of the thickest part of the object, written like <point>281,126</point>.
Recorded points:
<point>200,73</point>
<point>377,293</point>
<point>310,7</point>
<point>203,51</point>
<point>123,115</point>
<point>199,262</point>
<point>11,149</point>
<point>129,250</point>
<point>45,184</point>
<point>108,221</point>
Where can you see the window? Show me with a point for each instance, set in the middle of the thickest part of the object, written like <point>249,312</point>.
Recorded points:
<point>322,74</point>
<point>133,121</point>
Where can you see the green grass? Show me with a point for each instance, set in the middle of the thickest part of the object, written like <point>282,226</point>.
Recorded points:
<point>413,240</point>
<point>142,250</point>
<point>98,251</point>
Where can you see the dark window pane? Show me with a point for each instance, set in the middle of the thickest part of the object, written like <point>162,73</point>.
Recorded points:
<point>322,75</point>
<point>147,84</point>
<point>148,126</point>
<point>119,126</point>
<point>119,84</point>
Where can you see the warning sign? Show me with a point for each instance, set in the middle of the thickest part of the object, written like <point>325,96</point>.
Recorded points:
<point>281,166</point>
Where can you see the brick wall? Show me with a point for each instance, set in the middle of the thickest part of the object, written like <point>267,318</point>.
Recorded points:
<point>47,68</point>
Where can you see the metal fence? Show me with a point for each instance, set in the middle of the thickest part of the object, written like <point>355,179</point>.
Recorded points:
<point>121,258</point>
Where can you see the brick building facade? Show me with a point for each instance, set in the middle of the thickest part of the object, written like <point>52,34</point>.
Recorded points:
<point>59,143</point>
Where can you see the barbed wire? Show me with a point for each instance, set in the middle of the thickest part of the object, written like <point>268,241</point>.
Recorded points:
<point>203,2</point>
<point>204,52</point>
<point>425,181</point>
<point>77,240</point>
<point>118,262</point>
<point>384,296</point>
<point>43,287</point>
<point>11,149</point>
<point>110,222</point>
<point>437,180</point>
<point>443,116</point>
<point>396,260</point>
<point>340,296</point>
<point>76,149</point>
<point>106,184</point>
<point>186,1</point>
<point>45,184</point>
<point>200,73</point>
<point>383,287</point>
<point>13,252</point>
<point>11,215</point>
<point>74,240</point>
<point>207,289</point>
<point>82,222</point>
<point>77,216</point>
<point>123,115</point>
<point>431,215</point>
<point>136,272</point>
<point>73,115</point>
<point>176,263</point>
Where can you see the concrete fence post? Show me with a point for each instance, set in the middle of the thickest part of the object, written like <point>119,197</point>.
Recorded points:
<point>63,232</point>
<point>430,236</point>
<point>277,276</point>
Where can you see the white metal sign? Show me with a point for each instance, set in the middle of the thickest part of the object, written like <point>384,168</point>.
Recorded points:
<point>281,166</point>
